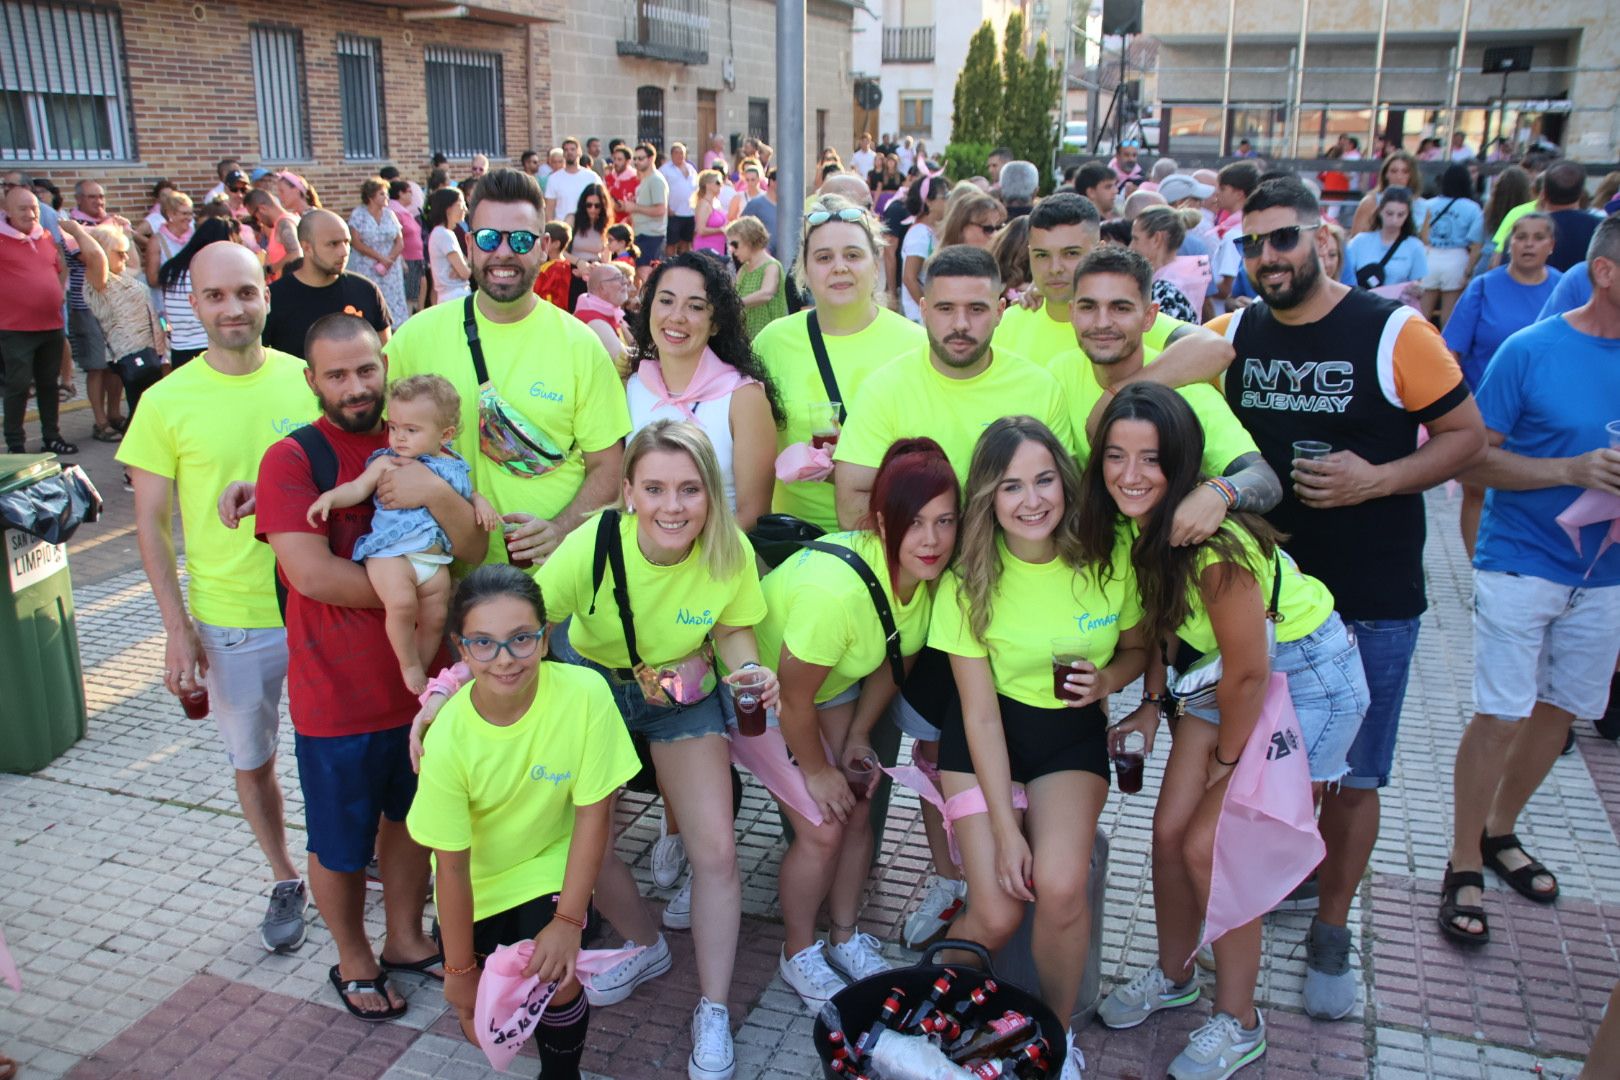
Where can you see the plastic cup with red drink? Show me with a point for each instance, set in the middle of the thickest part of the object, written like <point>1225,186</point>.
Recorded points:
<point>747,688</point>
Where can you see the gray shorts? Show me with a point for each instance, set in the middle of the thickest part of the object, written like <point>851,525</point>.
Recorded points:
<point>89,344</point>
<point>246,669</point>
<point>1536,640</point>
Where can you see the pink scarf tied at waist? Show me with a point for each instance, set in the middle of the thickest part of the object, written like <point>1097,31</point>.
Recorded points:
<point>714,378</point>
<point>1592,508</point>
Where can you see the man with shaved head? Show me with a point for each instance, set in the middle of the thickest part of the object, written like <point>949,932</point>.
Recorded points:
<point>319,285</point>
<point>32,279</point>
<point>225,653</point>
<point>850,187</point>
<point>602,309</point>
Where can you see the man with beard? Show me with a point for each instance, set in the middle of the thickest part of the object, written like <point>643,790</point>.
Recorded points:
<point>552,408</point>
<point>1112,310</point>
<point>351,713</point>
<point>320,286</point>
<point>564,187</point>
<point>204,426</point>
<point>948,392</point>
<point>1321,361</point>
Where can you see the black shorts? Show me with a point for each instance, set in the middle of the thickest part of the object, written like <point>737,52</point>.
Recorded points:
<point>522,923</point>
<point>930,688</point>
<point>1039,741</point>
<point>681,230</point>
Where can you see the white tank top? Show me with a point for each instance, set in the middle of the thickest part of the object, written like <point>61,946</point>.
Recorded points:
<point>713,416</point>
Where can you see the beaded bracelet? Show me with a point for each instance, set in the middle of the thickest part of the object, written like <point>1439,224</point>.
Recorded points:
<point>1225,489</point>
<point>468,970</point>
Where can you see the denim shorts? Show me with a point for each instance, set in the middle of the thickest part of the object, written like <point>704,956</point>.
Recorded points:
<point>657,723</point>
<point>348,782</point>
<point>1536,640</point>
<point>246,669</point>
<point>1387,646</point>
<point>1329,691</point>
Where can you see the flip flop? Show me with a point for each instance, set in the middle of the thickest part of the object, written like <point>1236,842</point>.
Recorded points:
<point>378,986</point>
<point>421,967</point>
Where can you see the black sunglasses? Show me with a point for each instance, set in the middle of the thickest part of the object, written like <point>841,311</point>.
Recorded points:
<point>1282,240</point>
<point>521,241</point>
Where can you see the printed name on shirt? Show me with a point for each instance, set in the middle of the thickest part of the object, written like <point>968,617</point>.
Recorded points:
<point>538,390</point>
<point>1084,621</point>
<point>1308,386</point>
<point>689,618</point>
<point>540,772</point>
<point>287,425</point>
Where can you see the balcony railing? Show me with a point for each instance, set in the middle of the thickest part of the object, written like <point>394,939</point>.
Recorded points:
<point>675,30</point>
<point>908,44</point>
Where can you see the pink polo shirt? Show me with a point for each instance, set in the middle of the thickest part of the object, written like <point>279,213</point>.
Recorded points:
<point>30,282</point>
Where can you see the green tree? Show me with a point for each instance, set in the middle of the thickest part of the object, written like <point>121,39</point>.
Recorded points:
<point>1030,93</point>
<point>976,114</point>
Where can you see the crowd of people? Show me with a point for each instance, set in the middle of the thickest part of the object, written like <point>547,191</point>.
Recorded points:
<point>578,411</point>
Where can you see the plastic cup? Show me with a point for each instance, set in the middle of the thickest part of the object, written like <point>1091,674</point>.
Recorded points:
<point>1311,450</point>
<point>860,769</point>
<point>1130,762</point>
<point>195,703</point>
<point>824,426</point>
<point>1613,428</point>
<point>507,529</point>
<point>1066,652</point>
<point>745,699</point>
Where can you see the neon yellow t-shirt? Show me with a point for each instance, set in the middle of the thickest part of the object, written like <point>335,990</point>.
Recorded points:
<point>508,793</point>
<point>784,348</point>
<point>1032,604</point>
<point>550,367</point>
<point>1039,338</point>
<point>908,397</point>
<point>203,430</point>
<point>675,607</point>
<point>819,608</point>
<point>1511,218</point>
<point>1304,602</point>
<point>1225,438</point>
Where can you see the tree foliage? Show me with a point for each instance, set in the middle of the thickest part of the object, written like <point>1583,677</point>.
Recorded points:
<point>976,116</point>
<point>1008,101</point>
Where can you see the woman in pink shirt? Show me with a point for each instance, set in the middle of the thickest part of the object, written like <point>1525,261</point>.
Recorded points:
<point>401,201</point>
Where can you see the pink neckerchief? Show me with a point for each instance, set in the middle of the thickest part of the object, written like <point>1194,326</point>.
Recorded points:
<point>714,378</point>
<point>7,229</point>
<point>181,239</point>
<point>587,302</point>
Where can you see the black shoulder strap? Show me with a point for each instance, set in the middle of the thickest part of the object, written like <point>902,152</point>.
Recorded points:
<point>818,345</point>
<point>610,553</point>
<point>470,324</point>
<point>323,469</point>
<point>880,600</point>
<point>1273,612</point>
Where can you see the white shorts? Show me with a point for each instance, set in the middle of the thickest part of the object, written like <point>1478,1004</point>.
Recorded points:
<point>1538,641</point>
<point>246,669</point>
<point>1448,269</point>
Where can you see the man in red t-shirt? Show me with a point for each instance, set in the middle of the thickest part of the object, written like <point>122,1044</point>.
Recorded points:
<point>622,181</point>
<point>350,710</point>
<point>32,279</point>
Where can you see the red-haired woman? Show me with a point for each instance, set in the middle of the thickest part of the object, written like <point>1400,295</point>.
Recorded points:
<point>824,634</point>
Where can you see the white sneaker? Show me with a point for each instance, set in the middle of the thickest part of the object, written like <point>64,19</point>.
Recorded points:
<point>712,1055</point>
<point>940,903</point>
<point>678,912</point>
<point>860,956</point>
<point>1074,1061</point>
<point>810,975</point>
<point>668,858</point>
<point>620,981</point>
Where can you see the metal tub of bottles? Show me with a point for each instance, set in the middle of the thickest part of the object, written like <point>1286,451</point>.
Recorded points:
<point>939,1022</point>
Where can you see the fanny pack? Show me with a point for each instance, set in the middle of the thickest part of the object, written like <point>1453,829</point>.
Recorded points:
<point>686,681</point>
<point>1195,686</point>
<point>505,436</point>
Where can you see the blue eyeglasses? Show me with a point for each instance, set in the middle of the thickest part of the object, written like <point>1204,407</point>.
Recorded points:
<point>521,645</point>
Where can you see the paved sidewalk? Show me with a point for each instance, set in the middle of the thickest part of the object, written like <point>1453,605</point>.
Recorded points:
<point>132,893</point>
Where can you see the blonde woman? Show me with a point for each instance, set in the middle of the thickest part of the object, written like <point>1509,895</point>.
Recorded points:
<point>708,219</point>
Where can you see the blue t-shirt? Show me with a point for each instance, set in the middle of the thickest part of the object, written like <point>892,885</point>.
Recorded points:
<point>1461,225</point>
<point>1550,391</point>
<point>1408,263</point>
<point>1573,236</point>
<point>762,208</point>
<point>1489,309</point>
<point>1574,289</point>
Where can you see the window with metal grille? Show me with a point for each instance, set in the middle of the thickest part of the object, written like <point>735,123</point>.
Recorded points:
<point>360,88</point>
<point>759,118</point>
<point>650,115</point>
<point>278,82</point>
<point>64,95</point>
<point>464,102</point>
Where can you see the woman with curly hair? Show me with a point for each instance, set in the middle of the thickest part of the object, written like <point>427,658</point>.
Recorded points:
<point>695,363</point>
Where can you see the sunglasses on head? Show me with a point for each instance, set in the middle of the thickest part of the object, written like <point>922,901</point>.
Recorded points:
<point>1282,240</point>
<point>521,241</point>
<point>821,217</point>
<point>992,228</point>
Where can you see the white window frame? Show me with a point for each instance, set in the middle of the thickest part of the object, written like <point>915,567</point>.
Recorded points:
<point>50,49</point>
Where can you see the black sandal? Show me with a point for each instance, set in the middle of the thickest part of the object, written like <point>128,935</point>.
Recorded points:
<point>1451,911</point>
<point>378,986</point>
<point>1521,880</point>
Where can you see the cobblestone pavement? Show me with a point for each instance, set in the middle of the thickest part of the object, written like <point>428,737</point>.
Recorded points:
<point>132,891</point>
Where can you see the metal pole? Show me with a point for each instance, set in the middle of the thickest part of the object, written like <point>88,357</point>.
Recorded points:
<point>1299,77</point>
<point>790,104</point>
<point>1456,72</point>
<point>1226,83</point>
<point>1378,76</point>
<point>1119,94</point>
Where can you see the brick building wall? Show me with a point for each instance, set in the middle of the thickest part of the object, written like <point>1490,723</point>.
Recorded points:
<point>192,97</point>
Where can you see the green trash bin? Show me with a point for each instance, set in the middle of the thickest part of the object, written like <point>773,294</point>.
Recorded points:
<point>44,711</point>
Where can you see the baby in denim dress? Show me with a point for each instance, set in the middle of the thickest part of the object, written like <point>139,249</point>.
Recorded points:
<point>407,552</point>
